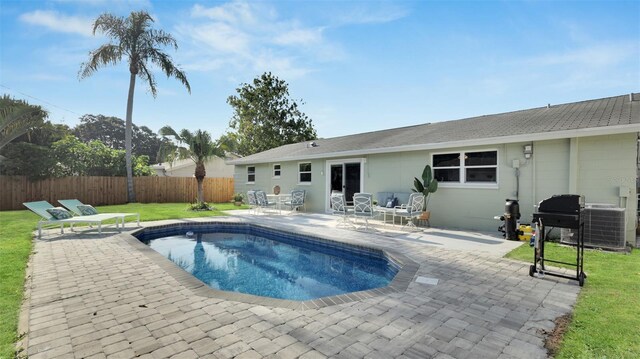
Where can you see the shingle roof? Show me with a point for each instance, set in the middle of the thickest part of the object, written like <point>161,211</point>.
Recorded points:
<point>617,111</point>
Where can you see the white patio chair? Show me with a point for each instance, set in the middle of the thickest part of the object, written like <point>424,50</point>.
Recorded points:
<point>253,204</point>
<point>339,208</point>
<point>413,209</point>
<point>363,208</point>
<point>263,201</point>
<point>297,200</point>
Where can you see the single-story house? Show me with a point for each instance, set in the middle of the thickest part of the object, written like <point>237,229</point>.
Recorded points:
<point>215,167</point>
<point>588,148</point>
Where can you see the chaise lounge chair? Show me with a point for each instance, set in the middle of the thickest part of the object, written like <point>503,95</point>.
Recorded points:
<point>77,208</point>
<point>40,208</point>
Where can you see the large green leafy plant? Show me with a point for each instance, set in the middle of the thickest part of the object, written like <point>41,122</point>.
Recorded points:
<point>427,186</point>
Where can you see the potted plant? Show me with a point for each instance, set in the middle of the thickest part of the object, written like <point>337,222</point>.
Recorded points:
<point>426,186</point>
<point>238,198</point>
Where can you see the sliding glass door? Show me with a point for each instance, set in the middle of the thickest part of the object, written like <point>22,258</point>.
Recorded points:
<point>345,177</point>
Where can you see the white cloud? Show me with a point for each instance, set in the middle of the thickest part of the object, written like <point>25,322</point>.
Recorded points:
<point>251,36</point>
<point>387,12</point>
<point>245,35</point>
<point>220,37</point>
<point>235,12</point>
<point>299,37</point>
<point>118,3</point>
<point>47,77</point>
<point>59,22</point>
<point>280,65</point>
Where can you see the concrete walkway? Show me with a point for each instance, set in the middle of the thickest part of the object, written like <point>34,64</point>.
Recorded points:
<point>92,296</point>
<point>490,244</point>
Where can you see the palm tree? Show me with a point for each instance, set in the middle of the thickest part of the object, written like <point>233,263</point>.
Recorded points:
<point>134,39</point>
<point>199,147</point>
<point>17,117</point>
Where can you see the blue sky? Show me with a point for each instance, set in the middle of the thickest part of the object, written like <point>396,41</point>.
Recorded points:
<point>358,66</point>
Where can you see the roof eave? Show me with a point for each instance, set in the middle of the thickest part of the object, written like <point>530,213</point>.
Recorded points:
<point>542,136</point>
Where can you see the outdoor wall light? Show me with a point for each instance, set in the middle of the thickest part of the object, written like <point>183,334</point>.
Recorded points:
<point>528,151</point>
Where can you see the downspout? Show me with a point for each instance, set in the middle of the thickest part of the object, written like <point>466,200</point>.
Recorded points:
<point>573,165</point>
<point>533,181</point>
<point>517,183</point>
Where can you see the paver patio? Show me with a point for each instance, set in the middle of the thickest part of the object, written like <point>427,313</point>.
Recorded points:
<point>92,296</point>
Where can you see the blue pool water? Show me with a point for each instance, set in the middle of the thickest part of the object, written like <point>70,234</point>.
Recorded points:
<point>273,265</point>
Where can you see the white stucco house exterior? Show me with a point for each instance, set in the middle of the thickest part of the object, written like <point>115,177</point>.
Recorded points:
<point>588,148</point>
<point>215,167</point>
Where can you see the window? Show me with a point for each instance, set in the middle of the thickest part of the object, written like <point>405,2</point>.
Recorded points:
<point>479,167</point>
<point>251,174</point>
<point>304,172</point>
<point>276,171</point>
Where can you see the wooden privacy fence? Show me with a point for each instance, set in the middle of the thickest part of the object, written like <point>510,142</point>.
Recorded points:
<point>14,190</point>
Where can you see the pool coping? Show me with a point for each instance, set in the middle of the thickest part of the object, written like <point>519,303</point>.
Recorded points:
<point>407,269</point>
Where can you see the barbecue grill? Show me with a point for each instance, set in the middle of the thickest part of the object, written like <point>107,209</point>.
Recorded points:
<point>559,211</point>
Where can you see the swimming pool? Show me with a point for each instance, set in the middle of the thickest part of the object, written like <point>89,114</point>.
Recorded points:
<point>265,262</point>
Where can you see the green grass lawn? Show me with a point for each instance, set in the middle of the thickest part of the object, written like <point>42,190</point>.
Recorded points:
<point>606,319</point>
<point>16,228</point>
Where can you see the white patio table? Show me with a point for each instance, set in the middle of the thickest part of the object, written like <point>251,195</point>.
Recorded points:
<point>385,211</point>
<point>280,199</point>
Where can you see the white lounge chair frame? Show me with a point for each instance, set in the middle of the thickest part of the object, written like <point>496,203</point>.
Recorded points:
<point>72,205</point>
<point>40,208</point>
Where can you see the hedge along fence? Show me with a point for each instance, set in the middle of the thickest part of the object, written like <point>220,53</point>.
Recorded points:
<point>14,190</point>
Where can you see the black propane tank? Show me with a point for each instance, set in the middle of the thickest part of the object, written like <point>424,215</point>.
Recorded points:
<point>510,218</point>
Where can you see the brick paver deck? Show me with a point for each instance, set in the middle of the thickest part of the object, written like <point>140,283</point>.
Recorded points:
<point>97,296</point>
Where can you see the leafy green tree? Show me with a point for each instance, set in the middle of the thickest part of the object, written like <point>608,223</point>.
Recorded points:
<point>69,157</point>
<point>107,129</point>
<point>229,142</point>
<point>28,159</point>
<point>147,143</point>
<point>76,158</point>
<point>141,166</point>
<point>73,156</point>
<point>140,45</point>
<point>30,154</point>
<point>46,134</point>
<point>196,146</point>
<point>17,117</point>
<point>111,131</point>
<point>265,117</point>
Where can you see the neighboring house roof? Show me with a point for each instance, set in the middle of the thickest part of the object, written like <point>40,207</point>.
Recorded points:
<point>177,164</point>
<point>619,114</point>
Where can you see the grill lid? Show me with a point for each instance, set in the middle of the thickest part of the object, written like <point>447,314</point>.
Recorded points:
<point>562,203</point>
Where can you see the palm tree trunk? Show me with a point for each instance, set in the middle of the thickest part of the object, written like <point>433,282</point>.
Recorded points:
<point>200,174</point>
<point>200,190</point>
<point>128,134</point>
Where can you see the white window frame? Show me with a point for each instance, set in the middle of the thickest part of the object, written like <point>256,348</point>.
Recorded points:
<point>463,170</point>
<point>305,183</point>
<point>276,176</point>
<point>249,173</point>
